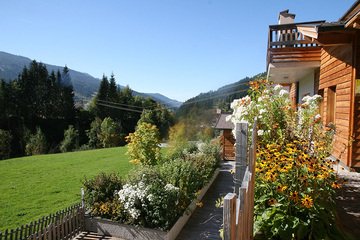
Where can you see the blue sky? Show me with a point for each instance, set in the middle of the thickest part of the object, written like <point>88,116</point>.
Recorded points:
<point>178,48</point>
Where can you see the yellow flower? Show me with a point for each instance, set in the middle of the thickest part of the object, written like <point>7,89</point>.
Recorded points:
<point>294,196</point>
<point>335,185</point>
<point>199,204</point>
<point>307,201</point>
<point>281,188</point>
<point>272,201</point>
<point>104,208</point>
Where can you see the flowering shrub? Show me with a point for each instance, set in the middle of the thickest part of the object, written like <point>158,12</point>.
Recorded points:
<point>100,195</point>
<point>155,196</point>
<point>143,146</point>
<point>295,183</point>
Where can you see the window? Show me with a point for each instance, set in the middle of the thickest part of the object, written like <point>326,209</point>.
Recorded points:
<point>331,105</point>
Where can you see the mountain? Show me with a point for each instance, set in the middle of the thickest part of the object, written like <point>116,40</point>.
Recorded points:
<point>163,99</point>
<point>85,85</point>
<point>220,98</point>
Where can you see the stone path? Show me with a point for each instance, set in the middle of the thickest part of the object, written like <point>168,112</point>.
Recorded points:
<point>348,203</point>
<point>206,221</point>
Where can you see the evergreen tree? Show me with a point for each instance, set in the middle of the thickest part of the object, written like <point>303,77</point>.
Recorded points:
<point>161,117</point>
<point>102,95</point>
<point>94,133</point>
<point>112,95</point>
<point>5,144</point>
<point>67,93</point>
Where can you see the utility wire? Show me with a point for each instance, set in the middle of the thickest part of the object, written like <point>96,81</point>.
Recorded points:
<point>127,107</point>
<point>118,107</point>
<point>120,104</point>
<point>216,96</point>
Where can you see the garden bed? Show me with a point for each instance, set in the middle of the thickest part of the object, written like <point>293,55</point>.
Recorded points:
<point>115,229</point>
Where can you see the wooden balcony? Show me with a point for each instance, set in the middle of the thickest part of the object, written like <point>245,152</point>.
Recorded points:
<point>287,45</point>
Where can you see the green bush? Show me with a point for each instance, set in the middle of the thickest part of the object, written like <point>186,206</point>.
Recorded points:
<point>93,134</point>
<point>149,200</point>
<point>109,135</point>
<point>5,144</point>
<point>36,144</point>
<point>156,193</point>
<point>70,137</point>
<point>185,176</point>
<point>100,195</point>
<point>144,144</point>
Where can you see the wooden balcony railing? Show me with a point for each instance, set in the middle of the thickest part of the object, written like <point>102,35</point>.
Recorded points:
<point>287,38</point>
<point>287,35</point>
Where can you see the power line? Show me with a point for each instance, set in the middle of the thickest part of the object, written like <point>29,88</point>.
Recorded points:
<point>120,104</point>
<point>127,107</point>
<point>118,107</point>
<point>216,96</point>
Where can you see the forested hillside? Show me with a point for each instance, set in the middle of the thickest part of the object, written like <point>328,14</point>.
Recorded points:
<point>200,105</point>
<point>85,85</point>
<point>38,115</point>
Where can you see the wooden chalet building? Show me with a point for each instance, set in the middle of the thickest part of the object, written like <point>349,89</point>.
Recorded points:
<point>227,139</point>
<point>320,57</point>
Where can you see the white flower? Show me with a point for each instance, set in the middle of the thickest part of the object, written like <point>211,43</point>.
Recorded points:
<point>317,97</point>
<point>283,92</point>
<point>260,99</point>
<point>262,111</point>
<point>170,187</point>
<point>306,99</point>
<point>260,132</point>
<point>278,87</point>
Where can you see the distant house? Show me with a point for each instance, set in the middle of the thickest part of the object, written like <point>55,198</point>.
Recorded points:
<point>226,137</point>
<point>320,57</point>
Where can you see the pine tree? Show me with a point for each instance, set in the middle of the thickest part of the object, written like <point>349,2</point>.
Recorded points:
<point>102,95</point>
<point>67,92</point>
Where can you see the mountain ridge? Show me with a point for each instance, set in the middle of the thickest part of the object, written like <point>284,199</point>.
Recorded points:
<point>85,85</point>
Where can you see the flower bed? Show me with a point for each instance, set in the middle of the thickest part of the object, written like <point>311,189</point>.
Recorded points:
<point>153,196</point>
<point>116,229</point>
<point>295,182</point>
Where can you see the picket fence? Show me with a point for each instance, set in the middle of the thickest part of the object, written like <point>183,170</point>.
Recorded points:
<point>238,212</point>
<point>64,224</point>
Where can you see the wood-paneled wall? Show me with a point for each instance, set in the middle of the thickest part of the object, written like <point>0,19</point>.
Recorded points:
<point>356,128</point>
<point>228,149</point>
<point>336,72</point>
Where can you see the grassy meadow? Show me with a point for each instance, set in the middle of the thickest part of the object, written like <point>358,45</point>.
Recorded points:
<point>35,186</point>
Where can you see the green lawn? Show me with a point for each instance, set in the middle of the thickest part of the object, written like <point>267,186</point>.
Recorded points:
<point>31,187</point>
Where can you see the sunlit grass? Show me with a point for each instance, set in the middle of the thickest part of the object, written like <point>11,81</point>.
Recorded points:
<point>32,187</point>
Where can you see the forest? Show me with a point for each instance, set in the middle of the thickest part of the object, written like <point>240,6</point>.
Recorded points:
<point>38,114</point>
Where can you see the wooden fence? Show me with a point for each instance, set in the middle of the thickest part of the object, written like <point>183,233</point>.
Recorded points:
<point>64,224</point>
<point>238,213</point>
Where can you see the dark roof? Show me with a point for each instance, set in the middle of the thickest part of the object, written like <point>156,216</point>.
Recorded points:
<point>330,26</point>
<point>222,123</point>
<point>351,12</point>
<point>286,13</point>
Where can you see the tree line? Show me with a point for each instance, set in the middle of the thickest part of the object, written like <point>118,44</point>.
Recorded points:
<point>38,114</point>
